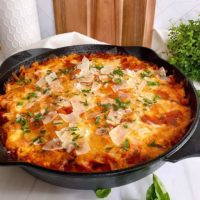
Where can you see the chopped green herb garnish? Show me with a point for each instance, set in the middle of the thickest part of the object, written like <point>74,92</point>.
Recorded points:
<point>37,140</point>
<point>118,81</point>
<point>125,125</point>
<point>75,144</point>
<point>102,193</point>
<point>31,95</point>
<point>21,120</point>
<point>19,103</point>
<point>25,128</point>
<point>155,98</point>
<point>97,120</point>
<point>146,73</point>
<point>120,104</point>
<point>154,144</point>
<point>29,114</point>
<point>62,71</point>
<point>149,102</point>
<point>54,79</point>
<point>45,90</point>
<point>105,106</point>
<point>106,125</point>
<point>85,103</point>
<point>99,67</point>
<point>76,137</point>
<point>24,123</point>
<point>118,72</point>
<point>73,128</point>
<point>38,117</point>
<point>126,145</point>
<point>86,91</point>
<point>46,110</point>
<point>152,83</point>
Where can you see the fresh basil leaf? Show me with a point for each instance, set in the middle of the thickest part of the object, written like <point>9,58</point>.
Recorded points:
<point>151,195</point>
<point>160,189</point>
<point>102,192</point>
<point>157,190</point>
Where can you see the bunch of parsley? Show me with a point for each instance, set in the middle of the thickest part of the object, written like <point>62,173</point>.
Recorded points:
<point>184,48</point>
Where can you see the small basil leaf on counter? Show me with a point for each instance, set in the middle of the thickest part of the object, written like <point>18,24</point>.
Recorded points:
<point>102,192</point>
<point>157,190</point>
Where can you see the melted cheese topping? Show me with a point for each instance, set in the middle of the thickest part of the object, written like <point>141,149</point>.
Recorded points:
<point>95,112</point>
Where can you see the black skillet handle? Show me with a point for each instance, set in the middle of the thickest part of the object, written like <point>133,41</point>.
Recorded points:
<point>190,149</point>
<point>20,57</point>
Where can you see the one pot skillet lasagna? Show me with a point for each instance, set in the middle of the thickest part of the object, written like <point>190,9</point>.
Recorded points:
<point>92,112</point>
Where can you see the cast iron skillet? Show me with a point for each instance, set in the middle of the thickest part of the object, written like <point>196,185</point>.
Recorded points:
<point>187,147</point>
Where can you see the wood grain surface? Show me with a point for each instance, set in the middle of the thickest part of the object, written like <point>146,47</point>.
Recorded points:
<point>122,22</point>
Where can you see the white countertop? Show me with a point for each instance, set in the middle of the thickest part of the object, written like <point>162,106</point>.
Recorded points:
<point>181,179</point>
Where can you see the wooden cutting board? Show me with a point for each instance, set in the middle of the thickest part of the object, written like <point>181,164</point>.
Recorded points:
<point>121,22</point>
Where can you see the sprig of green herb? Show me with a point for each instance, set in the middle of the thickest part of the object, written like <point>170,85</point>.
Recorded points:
<point>183,46</point>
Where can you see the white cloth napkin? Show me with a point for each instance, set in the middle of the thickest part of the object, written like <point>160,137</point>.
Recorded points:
<point>182,179</point>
